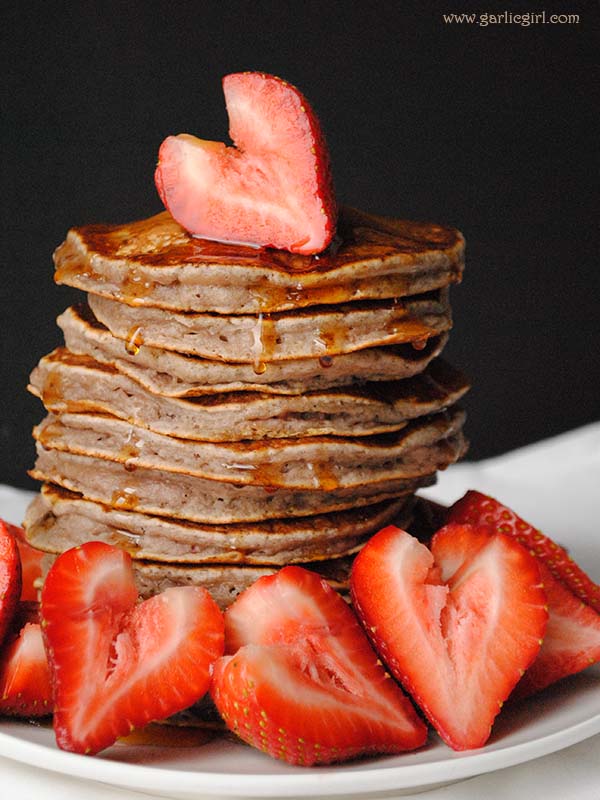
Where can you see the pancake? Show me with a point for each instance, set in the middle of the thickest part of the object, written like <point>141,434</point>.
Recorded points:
<point>77,384</point>
<point>169,373</point>
<point>58,519</point>
<point>154,262</point>
<point>304,463</point>
<point>170,494</point>
<point>224,582</point>
<point>260,339</point>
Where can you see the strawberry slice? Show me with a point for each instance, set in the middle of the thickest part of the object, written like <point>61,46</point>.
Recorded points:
<point>117,665</point>
<point>572,638</point>
<point>301,681</point>
<point>10,577</point>
<point>273,188</point>
<point>457,625</point>
<point>25,686</point>
<point>31,564</point>
<point>571,642</point>
<point>479,509</point>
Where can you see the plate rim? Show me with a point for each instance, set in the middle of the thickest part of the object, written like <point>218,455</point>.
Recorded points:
<point>311,783</point>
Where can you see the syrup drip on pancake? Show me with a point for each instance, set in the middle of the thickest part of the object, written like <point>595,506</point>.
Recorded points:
<point>410,329</point>
<point>130,449</point>
<point>325,475</point>
<point>134,285</point>
<point>265,341</point>
<point>52,390</point>
<point>72,265</point>
<point>125,499</point>
<point>130,542</point>
<point>134,340</point>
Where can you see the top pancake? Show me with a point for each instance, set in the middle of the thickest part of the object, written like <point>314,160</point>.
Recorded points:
<point>155,262</point>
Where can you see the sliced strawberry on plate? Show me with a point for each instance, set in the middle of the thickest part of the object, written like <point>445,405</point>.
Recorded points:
<point>479,509</point>
<point>457,624</point>
<point>572,638</point>
<point>571,642</point>
<point>116,664</point>
<point>10,577</point>
<point>25,685</point>
<point>301,681</point>
<point>273,188</point>
<point>31,564</point>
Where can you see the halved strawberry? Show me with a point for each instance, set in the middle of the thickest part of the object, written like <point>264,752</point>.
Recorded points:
<point>457,625</point>
<point>301,681</point>
<point>31,564</point>
<point>572,638</point>
<point>10,577</point>
<point>571,642</point>
<point>117,665</point>
<point>479,509</point>
<point>273,188</point>
<point>25,685</point>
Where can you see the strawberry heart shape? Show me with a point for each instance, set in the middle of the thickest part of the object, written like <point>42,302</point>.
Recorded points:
<point>572,638</point>
<point>457,624</point>
<point>301,680</point>
<point>116,664</point>
<point>273,188</point>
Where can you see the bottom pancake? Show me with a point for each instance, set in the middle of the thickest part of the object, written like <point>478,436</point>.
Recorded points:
<point>224,581</point>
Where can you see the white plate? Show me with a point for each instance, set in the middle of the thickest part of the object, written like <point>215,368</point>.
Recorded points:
<point>556,718</point>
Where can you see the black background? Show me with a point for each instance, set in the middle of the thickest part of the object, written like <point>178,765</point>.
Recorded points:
<point>491,129</point>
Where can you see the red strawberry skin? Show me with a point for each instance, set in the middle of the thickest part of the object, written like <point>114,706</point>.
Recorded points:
<point>572,638</point>
<point>117,665</point>
<point>31,564</point>
<point>272,189</point>
<point>10,577</point>
<point>457,624</point>
<point>571,642</point>
<point>25,684</point>
<point>479,509</point>
<point>301,681</point>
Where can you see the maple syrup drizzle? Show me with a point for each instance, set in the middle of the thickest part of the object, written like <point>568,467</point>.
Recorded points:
<point>268,475</point>
<point>134,340</point>
<point>130,450</point>
<point>409,329</point>
<point>52,390</point>
<point>331,337</point>
<point>125,499</point>
<point>134,285</point>
<point>130,542</point>
<point>325,475</point>
<point>72,265</point>
<point>264,342</point>
<point>270,297</point>
<point>169,736</point>
<point>47,435</point>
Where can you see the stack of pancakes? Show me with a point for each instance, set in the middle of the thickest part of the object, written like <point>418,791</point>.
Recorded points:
<point>220,411</point>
